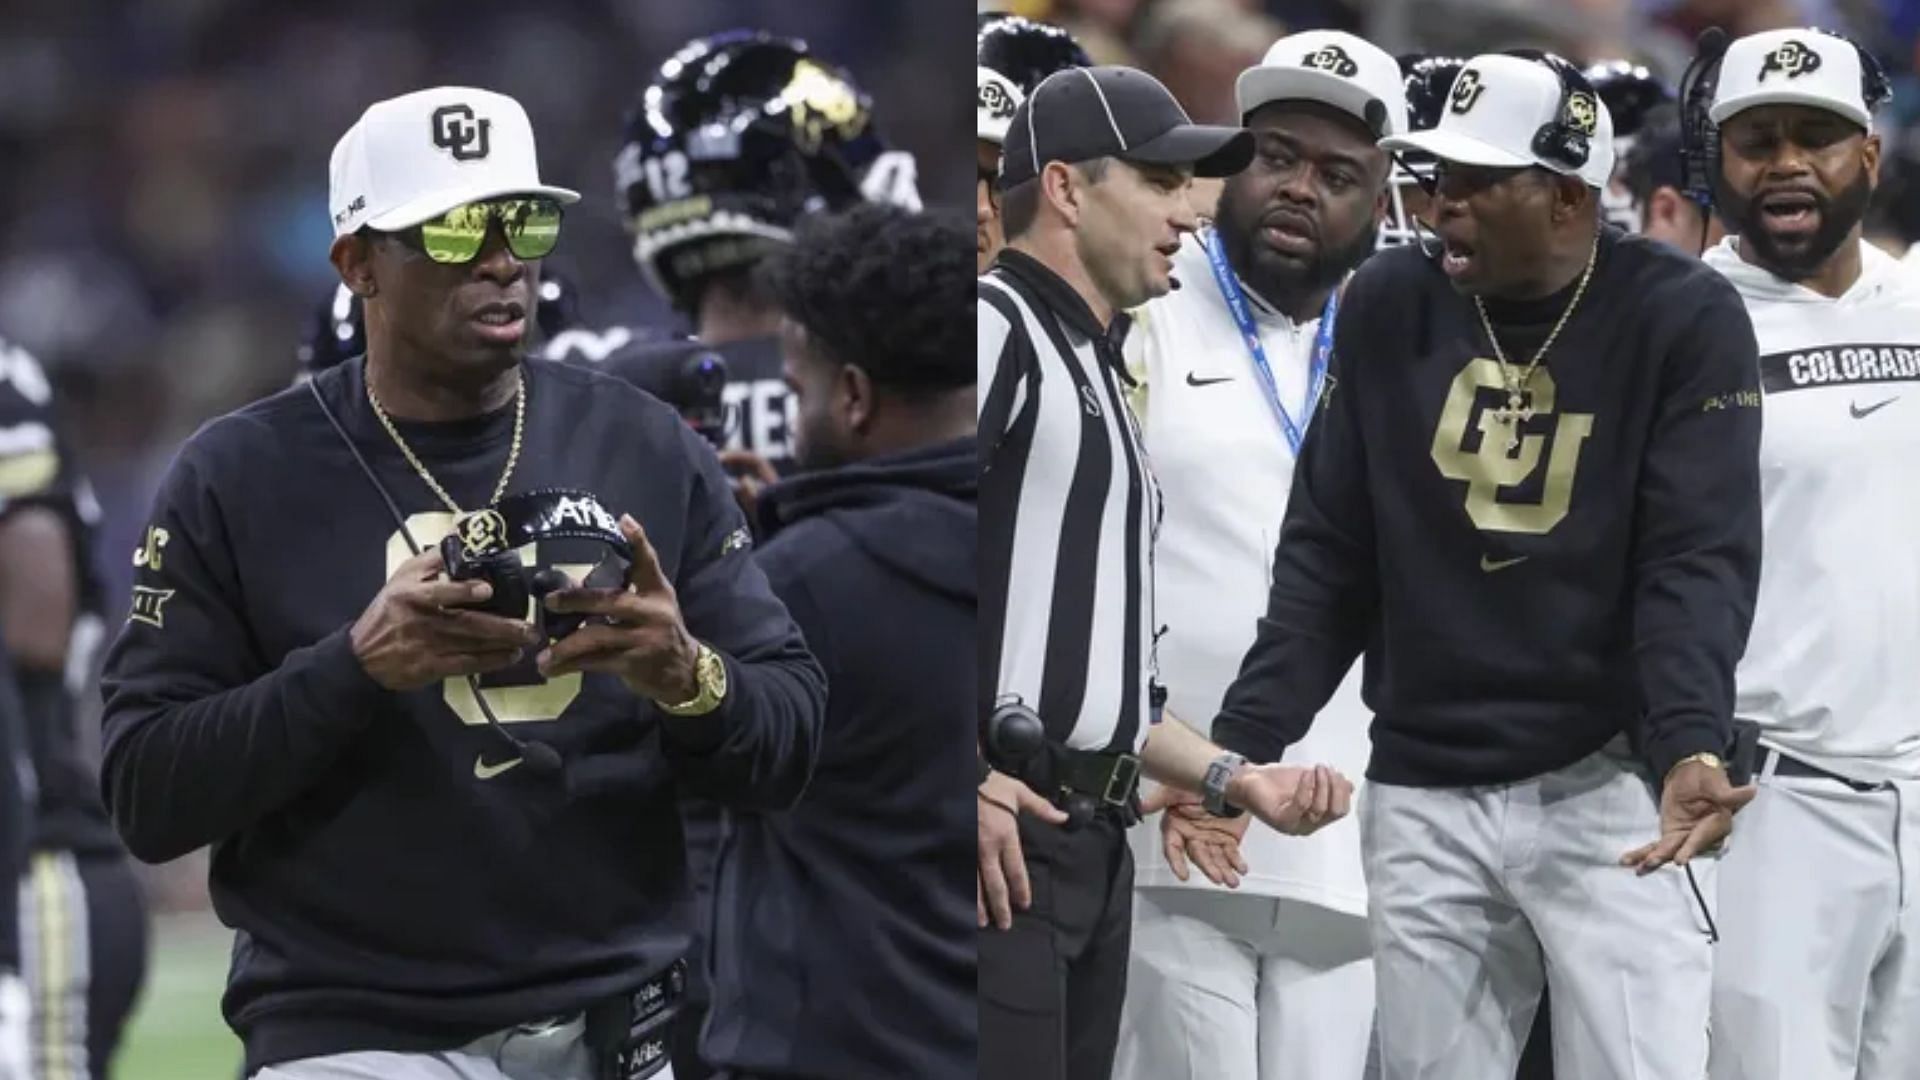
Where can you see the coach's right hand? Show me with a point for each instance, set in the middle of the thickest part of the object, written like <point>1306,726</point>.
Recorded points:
<point>412,635</point>
<point>1003,881</point>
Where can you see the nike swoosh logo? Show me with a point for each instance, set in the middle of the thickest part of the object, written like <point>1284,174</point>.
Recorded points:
<point>1490,565</point>
<point>1191,381</point>
<point>1861,414</point>
<point>487,772</point>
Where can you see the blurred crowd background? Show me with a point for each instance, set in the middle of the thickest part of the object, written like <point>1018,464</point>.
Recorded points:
<point>1198,47</point>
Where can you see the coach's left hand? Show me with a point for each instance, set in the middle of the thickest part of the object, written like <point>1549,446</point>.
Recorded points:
<point>646,642</point>
<point>1293,799</point>
<point>1696,813</point>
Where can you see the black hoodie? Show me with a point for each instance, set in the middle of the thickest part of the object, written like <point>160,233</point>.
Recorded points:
<point>843,945</point>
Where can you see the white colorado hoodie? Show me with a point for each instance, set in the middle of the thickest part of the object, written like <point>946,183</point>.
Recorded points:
<point>1832,668</point>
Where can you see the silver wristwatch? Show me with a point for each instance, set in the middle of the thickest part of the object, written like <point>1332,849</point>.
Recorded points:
<point>1213,789</point>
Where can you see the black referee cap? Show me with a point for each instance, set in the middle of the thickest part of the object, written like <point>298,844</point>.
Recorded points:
<point>1085,113</point>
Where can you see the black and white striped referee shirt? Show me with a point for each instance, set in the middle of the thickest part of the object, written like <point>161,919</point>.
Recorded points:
<point>1068,513</point>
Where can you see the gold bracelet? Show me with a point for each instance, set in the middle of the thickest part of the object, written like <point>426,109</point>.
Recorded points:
<point>1706,758</point>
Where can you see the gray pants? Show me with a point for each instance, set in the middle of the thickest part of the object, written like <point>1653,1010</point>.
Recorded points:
<point>1820,912</point>
<point>1225,987</point>
<point>530,1052</point>
<point>1479,896</point>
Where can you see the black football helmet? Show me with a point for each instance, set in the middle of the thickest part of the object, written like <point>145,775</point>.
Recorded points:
<point>1428,81</point>
<point>1024,50</point>
<point>1629,91</point>
<point>737,136</point>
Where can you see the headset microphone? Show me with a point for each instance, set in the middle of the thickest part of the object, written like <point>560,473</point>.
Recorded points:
<point>540,759</point>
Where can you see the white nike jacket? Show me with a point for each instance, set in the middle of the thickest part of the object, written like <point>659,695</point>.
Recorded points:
<point>1832,668</point>
<point>1225,470</point>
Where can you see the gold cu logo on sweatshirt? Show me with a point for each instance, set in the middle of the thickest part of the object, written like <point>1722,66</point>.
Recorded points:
<point>1489,469</point>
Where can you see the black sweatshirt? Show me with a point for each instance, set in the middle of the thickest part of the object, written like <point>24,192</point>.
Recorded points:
<point>1518,611</point>
<point>843,945</point>
<point>390,889</point>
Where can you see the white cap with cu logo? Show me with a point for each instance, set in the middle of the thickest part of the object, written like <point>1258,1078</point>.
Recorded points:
<point>1348,73</point>
<point>1496,110</point>
<point>412,158</point>
<point>1791,67</point>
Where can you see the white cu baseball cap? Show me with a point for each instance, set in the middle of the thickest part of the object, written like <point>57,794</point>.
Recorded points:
<point>1495,111</point>
<point>996,98</point>
<point>1349,73</point>
<point>1791,67</point>
<point>412,158</point>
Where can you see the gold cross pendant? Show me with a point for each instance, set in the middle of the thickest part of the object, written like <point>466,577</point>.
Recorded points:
<point>1516,411</point>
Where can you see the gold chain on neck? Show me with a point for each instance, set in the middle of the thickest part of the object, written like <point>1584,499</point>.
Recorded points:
<point>513,454</point>
<point>1519,406</point>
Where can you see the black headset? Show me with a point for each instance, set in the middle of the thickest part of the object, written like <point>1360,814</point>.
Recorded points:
<point>541,759</point>
<point>1700,136</point>
<point>1567,139</point>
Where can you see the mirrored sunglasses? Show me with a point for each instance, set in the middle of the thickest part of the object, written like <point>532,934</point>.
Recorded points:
<point>531,226</point>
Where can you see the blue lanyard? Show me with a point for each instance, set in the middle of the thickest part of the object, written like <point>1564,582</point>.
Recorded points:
<point>1322,343</point>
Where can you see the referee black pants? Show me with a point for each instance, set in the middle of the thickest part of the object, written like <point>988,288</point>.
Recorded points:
<point>1051,986</point>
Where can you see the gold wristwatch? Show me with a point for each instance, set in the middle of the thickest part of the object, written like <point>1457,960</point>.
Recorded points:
<point>710,675</point>
<point>1710,760</point>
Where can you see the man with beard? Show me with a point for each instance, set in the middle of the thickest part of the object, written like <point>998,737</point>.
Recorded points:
<point>1230,368</point>
<point>1532,501</point>
<point>1825,978</point>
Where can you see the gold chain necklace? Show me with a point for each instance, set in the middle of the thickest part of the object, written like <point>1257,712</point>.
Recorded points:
<point>513,454</point>
<point>1519,407</point>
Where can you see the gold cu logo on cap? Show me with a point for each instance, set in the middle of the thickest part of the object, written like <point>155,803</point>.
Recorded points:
<point>1791,59</point>
<point>1466,91</point>
<point>1583,113</point>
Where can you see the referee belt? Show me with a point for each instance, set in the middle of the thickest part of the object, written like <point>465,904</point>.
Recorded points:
<point>1074,778</point>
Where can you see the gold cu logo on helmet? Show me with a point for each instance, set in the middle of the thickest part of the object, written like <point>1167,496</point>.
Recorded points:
<point>821,101</point>
<point>1528,505</point>
<point>483,531</point>
<point>1466,91</point>
<point>1583,113</point>
<point>1791,59</point>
